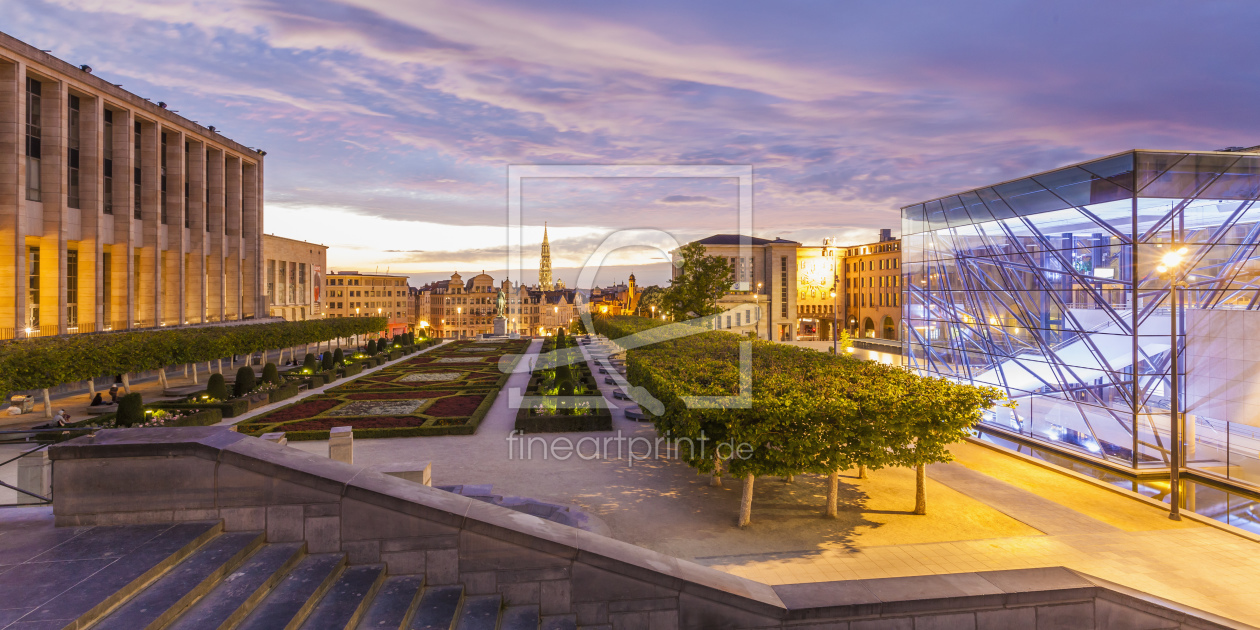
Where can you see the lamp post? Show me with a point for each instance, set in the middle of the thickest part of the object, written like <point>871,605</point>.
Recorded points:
<point>1171,269</point>
<point>835,339</point>
<point>459,312</point>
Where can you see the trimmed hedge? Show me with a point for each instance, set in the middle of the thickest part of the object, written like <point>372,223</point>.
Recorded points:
<point>27,364</point>
<point>563,424</point>
<point>288,390</point>
<point>228,408</point>
<point>351,369</point>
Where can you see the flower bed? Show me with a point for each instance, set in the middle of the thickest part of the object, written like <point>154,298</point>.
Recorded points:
<point>546,411</point>
<point>420,396</point>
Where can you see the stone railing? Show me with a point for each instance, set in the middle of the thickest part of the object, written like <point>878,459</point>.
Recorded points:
<point>160,475</point>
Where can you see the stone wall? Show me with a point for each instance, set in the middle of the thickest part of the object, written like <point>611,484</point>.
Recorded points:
<point>196,473</point>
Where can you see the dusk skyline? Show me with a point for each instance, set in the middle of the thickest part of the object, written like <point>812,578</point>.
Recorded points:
<point>389,128</point>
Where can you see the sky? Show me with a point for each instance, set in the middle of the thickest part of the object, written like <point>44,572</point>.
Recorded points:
<point>389,126</point>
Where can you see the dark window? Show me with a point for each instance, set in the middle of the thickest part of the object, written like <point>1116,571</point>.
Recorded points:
<point>107,164</point>
<point>32,288</point>
<point>72,287</point>
<point>33,139</point>
<point>136,160</point>
<point>162,176</point>
<point>72,170</point>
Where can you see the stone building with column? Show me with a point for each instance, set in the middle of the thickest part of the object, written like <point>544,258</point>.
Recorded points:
<point>293,277</point>
<point>117,213</point>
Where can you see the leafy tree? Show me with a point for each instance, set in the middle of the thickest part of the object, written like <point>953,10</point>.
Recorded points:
<point>216,387</point>
<point>244,381</point>
<point>339,357</point>
<point>700,281</point>
<point>271,374</point>
<point>649,297</point>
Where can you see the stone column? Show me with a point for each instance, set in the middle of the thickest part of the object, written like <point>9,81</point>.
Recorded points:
<point>232,235</point>
<point>176,234</point>
<point>195,267</point>
<point>215,277</point>
<point>91,126</point>
<point>34,475</point>
<point>341,444</point>
<point>123,309</point>
<point>150,289</point>
<point>52,241</point>
<point>251,241</point>
<point>12,197</point>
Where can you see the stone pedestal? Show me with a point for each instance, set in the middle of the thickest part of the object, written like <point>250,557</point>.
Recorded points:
<point>341,444</point>
<point>418,472</point>
<point>500,326</point>
<point>277,437</point>
<point>34,475</point>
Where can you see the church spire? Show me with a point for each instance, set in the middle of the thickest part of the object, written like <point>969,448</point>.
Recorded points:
<point>544,265</point>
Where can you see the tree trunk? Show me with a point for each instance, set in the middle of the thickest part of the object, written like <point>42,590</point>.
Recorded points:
<point>715,479</point>
<point>220,366</point>
<point>162,377</point>
<point>126,383</point>
<point>789,479</point>
<point>745,504</point>
<point>92,388</point>
<point>194,371</point>
<point>47,405</point>
<point>185,370</point>
<point>861,471</point>
<point>833,494</point>
<point>920,489</point>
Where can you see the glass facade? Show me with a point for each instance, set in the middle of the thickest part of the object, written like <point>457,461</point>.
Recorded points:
<point>1047,287</point>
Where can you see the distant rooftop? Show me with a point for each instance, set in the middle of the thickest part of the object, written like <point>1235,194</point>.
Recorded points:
<point>734,239</point>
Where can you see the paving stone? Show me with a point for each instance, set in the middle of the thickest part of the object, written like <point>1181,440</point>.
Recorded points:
<point>520,618</point>
<point>237,593</point>
<point>347,600</point>
<point>103,542</point>
<point>185,583</point>
<point>394,603</point>
<point>297,594</point>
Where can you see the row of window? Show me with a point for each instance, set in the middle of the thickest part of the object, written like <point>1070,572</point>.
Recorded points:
<point>885,282</point>
<point>875,299</point>
<point>291,277</point>
<point>354,282</point>
<point>884,264</point>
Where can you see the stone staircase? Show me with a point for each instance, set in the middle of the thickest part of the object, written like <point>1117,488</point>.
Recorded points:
<point>195,576</point>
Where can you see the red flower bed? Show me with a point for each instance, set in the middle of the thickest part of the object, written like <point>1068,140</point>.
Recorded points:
<point>305,409</point>
<point>374,422</point>
<point>402,395</point>
<point>455,406</point>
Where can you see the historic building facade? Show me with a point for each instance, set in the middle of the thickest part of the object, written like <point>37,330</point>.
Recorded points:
<point>117,213</point>
<point>359,294</point>
<point>763,284</point>
<point>293,277</point>
<point>873,286</point>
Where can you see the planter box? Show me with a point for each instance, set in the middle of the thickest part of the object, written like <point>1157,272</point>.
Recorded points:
<point>229,408</point>
<point>351,369</point>
<point>288,390</point>
<point>600,420</point>
<point>257,399</point>
<point>395,354</point>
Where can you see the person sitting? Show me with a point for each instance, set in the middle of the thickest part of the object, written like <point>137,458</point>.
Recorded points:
<point>62,418</point>
<point>96,401</point>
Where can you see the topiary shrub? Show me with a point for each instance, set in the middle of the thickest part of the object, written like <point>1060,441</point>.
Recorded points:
<point>327,363</point>
<point>216,387</point>
<point>310,364</point>
<point>371,347</point>
<point>244,381</point>
<point>271,374</point>
<point>131,409</point>
<point>339,357</point>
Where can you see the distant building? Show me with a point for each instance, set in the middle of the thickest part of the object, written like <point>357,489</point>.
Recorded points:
<point>117,213</point>
<point>544,264</point>
<point>763,285</point>
<point>459,309</point>
<point>293,277</point>
<point>872,280</point>
<point>358,294</point>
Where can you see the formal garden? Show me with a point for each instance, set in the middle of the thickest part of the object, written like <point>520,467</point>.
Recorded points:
<point>562,395</point>
<point>808,412</point>
<point>445,391</point>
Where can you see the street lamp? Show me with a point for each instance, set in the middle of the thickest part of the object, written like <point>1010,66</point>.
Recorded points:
<point>459,311</point>
<point>1170,268</point>
<point>835,339</point>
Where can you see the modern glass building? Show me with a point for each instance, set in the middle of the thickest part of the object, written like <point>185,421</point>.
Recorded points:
<point>1048,288</point>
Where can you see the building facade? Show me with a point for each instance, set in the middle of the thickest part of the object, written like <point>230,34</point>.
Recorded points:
<point>293,277</point>
<point>873,288</point>
<point>116,213</point>
<point>359,294</point>
<point>763,283</point>
<point>460,309</point>
<point>1054,288</point>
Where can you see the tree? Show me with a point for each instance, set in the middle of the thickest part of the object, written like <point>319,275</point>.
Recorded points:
<point>339,357</point>
<point>371,347</point>
<point>309,363</point>
<point>244,381</point>
<point>327,362</point>
<point>130,410</point>
<point>700,281</point>
<point>649,297</point>
<point>271,374</point>
<point>216,387</point>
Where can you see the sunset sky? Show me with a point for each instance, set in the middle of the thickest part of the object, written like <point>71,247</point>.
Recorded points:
<point>389,126</point>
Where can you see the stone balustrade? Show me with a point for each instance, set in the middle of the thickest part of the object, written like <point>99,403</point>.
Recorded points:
<point>160,475</point>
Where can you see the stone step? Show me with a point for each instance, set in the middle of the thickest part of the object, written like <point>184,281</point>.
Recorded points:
<point>238,593</point>
<point>394,604</point>
<point>480,612</point>
<point>346,602</point>
<point>438,608</point>
<point>519,618</point>
<point>184,584</point>
<point>559,622</point>
<point>293,599</point>
<point>130,573</point>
